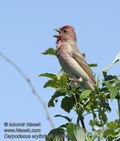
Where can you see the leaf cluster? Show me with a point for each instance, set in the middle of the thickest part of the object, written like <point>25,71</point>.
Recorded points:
<point>85,102</point>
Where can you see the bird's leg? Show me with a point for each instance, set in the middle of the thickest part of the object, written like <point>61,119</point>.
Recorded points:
<point>80,79</point>
<point>76,80</point>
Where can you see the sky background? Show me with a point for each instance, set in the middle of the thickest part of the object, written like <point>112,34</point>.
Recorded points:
<point>27,29</point>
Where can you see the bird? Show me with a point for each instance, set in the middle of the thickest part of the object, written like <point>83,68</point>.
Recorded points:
<point>71,59</point>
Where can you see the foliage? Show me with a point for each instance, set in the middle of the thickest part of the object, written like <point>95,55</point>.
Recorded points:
<point>84,102</point>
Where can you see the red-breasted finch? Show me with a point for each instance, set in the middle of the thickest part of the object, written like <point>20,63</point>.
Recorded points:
<point>70,58</point>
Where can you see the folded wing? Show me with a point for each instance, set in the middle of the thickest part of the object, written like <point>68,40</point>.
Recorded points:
<point>82,62</point>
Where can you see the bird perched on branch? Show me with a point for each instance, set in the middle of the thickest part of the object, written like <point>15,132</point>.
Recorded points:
<point>71,59</point>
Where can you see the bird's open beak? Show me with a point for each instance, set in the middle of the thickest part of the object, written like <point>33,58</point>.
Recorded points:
<point>58,30</point>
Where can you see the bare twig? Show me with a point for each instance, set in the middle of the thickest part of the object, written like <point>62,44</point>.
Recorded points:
<point>28,80</point>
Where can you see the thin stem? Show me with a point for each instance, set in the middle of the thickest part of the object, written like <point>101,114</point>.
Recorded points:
<point>118,102</point>
<point>89,113</point>
<point>83,124</point>
<point>76,105</point>
<point>34,91</point>
<point>80,117</point>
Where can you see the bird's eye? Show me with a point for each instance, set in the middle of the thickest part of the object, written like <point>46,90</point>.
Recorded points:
<point>64,31</point>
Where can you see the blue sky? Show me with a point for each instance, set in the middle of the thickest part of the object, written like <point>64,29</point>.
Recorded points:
<point>26,30</point>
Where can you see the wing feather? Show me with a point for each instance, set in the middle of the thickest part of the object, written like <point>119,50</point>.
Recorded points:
<point>82,62</point>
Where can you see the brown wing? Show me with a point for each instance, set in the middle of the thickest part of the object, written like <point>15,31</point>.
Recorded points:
<point>82,62</point>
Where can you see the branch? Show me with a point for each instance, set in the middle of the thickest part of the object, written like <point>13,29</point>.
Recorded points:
<point>81,119</point>
<point>118,102</point>
<point>28,80</point>
<point>83,124</point>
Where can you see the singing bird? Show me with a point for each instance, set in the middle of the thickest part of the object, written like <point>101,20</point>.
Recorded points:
<point>71,59</point>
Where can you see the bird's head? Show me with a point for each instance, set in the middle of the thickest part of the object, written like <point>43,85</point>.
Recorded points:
<point>66,33</point>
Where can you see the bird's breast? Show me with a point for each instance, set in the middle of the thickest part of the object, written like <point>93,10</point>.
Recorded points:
<point>63,48</point>
<point>60,49</point>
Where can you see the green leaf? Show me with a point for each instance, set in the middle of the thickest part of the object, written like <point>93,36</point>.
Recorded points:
<point>85,94</point>
<point>75,133</point>
<point>104,74</point>
<point>65,117</point>
<point>63,81</point>
<point>110,78</point>
<point>113,124</point>
<point>117,86</point>
<point>57,94</point>
<point>93,122</point>
<point>113,130</point>
<point>67,103</point>
<point>110,132</point>
<point>49,75</point>
<point>117,58</point>
<point>56,135</point>
<point>92,65</point>
<point>50,51</point>
<point>102,116</point>
<point>112,89</point>
<point>51,83</point>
